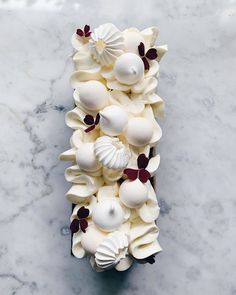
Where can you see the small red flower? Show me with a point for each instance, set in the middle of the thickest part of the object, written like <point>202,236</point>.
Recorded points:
<point>89,120</point>
<point>81,222</point>
<point>85,32</point>
<point>141,173</point>
<point>150,54</point>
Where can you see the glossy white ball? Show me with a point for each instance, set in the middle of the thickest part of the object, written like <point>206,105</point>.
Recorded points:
<point>113,120</point>
<point>129,68</point>
<point>86,158</point>
<point>108,215</point>
<point>93,95</point>
<point>133,194</point>
<point>139,131</point>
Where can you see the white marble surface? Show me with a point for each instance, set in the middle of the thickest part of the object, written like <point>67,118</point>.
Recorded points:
<point>197,176</point>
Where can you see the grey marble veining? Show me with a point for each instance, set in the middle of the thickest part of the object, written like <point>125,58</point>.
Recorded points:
<point>197,175</point>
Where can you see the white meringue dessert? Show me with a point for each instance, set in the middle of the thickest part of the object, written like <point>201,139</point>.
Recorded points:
<point>114,133</point>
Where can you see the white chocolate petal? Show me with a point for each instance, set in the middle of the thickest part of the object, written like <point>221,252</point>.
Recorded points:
<point>107,191</point>
<point>68,155</point>
<point>88,186</point>
<point>153,164</point>
<point>150,35</point>
<point>89,203</point>
<point>161,51</point>
<point>77,249</point>
<point>76,42</point>
<point>75,119</point>
<point>110,176</point>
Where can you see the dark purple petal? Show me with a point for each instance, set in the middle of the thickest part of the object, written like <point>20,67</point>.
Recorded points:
<point>146,64</point>
<point>152,53</point>
<point>142,161</point>
<point>89,129</point>
<point>143,175</point>
<point>82,212</point>
<point>87,34</point>
<point>131,173</point>
<point>150,259</point>
<point>86,29</point>
<point>74,226</point>
<point>80,32</point>
<point>89,120</point>
<point>141,49</point>
<point>83,225</point>
<point>97,119</point>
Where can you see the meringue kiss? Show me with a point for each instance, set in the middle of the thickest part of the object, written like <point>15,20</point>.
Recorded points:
<point>108,215</point>
<point>133,194</point>
<point>128,68</point>
<point>93,95</point>
<point>86,158</point>
<point>139,131</point>
<point>113,120</point>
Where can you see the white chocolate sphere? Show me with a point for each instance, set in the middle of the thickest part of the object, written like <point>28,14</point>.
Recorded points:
<point>91,239</point>
<point>93,95</point>
<point>132,41</point>
<point>113,120</point>
<point>108,215</point>
<point>133,194</point>
<point>139,131</point>
<point>129,68</point>
<point>86,158</point>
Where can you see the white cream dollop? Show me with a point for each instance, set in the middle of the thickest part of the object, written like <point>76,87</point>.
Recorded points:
<point>86,158</point>
<point>93,95</point>
<point>139,131</point>
<point>128,68</point>
<point>111,152</point>
<point>108,215</point>
<point>113,120</point>
<point>133,194</point>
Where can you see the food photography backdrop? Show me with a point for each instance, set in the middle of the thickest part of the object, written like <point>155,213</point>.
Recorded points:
<point>195,181</point>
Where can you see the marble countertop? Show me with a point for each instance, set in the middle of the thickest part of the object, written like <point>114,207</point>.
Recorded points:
<point>197,175</point>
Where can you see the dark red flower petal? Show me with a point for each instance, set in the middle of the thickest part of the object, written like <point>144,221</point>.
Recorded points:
<point>89,129</point>
<point>152,53</point>
<point>142,161</point>
<point>146,64</point>
<point>82,212</point>
<point>97,119</point>
<point>87,34</point>
<point>144,175</point>
<point>141,49</point>
<point>83,224</point>
<point>86,29</point>
<point>80,32</point>
<point>150,259</point>
<point>74,226</point>
<point>89,120</point>
<point>131,173</point>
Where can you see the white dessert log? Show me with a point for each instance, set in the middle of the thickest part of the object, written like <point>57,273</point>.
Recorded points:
<point>113,146</point>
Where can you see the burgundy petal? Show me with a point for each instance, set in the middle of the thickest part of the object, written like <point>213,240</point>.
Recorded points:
<point>83,225</point>
<point>152,53</point>
<point>86,29</point>
<point>89,120</point>
<point>89,129</point>
<point>87,34</point>
<point>80,32</point>
<point>146,64</point>
<point>144,175</point>
<point>141,49</point>
<point>142,161</point>
<point>74,226</point>
<point>82,212</point>
<point>131,173</point>
<point>150,259</point>
<point>97,119</point>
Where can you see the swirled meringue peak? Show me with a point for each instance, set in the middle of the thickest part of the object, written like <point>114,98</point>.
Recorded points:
<point>106,43</point>
<point>112,150</point>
